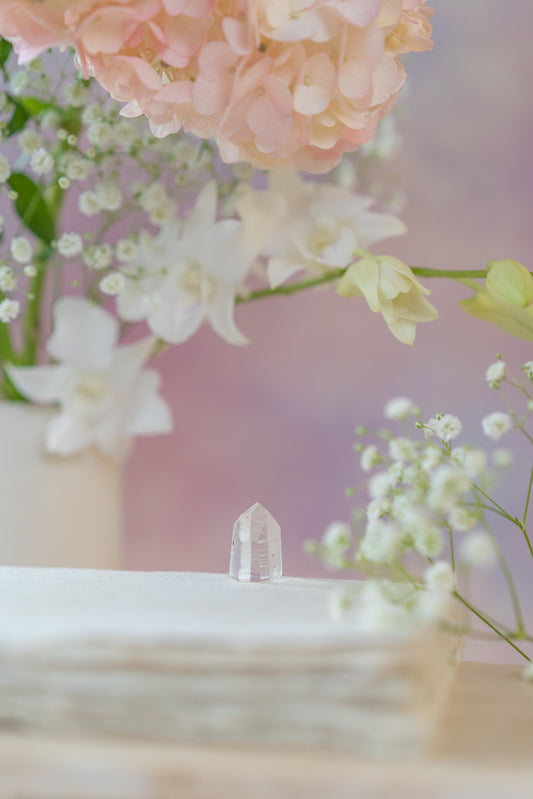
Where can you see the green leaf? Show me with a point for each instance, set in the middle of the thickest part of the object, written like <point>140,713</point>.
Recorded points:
<point>5,51</point>
<point>34,106</point>
<point>32,207</point>
<point>18,119</point>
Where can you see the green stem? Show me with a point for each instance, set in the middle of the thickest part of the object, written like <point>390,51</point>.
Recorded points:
<point>518,423</point>
<point>514,382</point>
<point>463,630</point>
<point>524,517</point>
<point>521,526</point>
<point>7,355</point>
<point>455,274</point>
<point>482,618</point>
<point>6,347</point>
<point>291,288</point>
<point>452,547</point>
<point>503,512</point>
<point>336,274</point>
<point>524,533</point>
<point>513,593</point>
<point>487,507</point>
<point>32,319</point>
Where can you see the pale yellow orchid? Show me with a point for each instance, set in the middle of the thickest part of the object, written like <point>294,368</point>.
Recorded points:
<point>390,288</point>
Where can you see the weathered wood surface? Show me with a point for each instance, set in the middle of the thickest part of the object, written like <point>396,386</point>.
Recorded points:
<point>484,749</point>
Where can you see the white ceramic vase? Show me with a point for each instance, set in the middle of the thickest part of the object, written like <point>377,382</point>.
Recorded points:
<point>55,511</point>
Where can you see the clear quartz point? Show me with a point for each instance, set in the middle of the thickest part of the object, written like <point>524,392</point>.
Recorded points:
<point>255,546</point>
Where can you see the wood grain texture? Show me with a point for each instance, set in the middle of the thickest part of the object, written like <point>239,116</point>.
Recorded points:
<point>483,750</point>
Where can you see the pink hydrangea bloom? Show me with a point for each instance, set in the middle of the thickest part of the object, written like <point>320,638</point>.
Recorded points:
<point>276,82</point>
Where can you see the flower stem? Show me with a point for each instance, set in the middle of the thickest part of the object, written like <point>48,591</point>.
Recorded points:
<point>291,288</point>
<point>518,423</point>
<point>517,610</point>
<point>524,517</point>
<point>452,546</point>
<point>455,274</point>
<point>502,511</point>
<point>32,318</point>
<point>482,618</point>
<point>336,274</point>
<point>8,390</point>
<point>513,519</point>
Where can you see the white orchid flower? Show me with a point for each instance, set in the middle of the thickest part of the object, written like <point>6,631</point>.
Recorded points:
<point>190,273</point>
<point>310,225</point>
<point>104,393</point>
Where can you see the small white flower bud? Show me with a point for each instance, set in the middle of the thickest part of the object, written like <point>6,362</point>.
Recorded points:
<point>9,310</point>
<point>478,550</point>
<point>399,409</point>
<point>337,534</point>
<point>370,457</point>
<point>21,250</point>
<point>496,424</point>
<point>70,244</point>
<point>8,281</point>
<point>440,576</point>
<point>502,458</point>
<point>495,373</point>
<point>41,161</point>
<point>528,369</point>
<point>447,428</point>
<point>109,196</point>
<point>88,203</point>
<point>113,284</point>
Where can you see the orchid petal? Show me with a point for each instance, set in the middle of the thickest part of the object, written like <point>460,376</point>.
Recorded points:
<point>279,271</point>
<point>84,334</point>
<point>175,322</point>
<point>65,435</point>
<point>203,215</point>
<point>41,384</point>
<point>220,315</point>
<point>129,359</point>
<point>372,227</point>
<point>148,413</point>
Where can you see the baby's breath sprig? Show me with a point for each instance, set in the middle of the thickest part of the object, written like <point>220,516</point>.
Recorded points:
<point>428,521</point>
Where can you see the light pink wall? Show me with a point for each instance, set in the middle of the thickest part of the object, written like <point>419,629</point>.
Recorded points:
<point>273,421</point>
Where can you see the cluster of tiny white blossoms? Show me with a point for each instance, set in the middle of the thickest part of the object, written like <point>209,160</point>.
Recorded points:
<point>106,174</point>
<point>427,521</point>
<point>124,206</point>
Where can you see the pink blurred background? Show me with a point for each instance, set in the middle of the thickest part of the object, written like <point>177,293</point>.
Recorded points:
<point>274,421</point>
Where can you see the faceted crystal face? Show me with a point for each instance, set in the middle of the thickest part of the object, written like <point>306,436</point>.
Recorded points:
<point>255,546</point>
